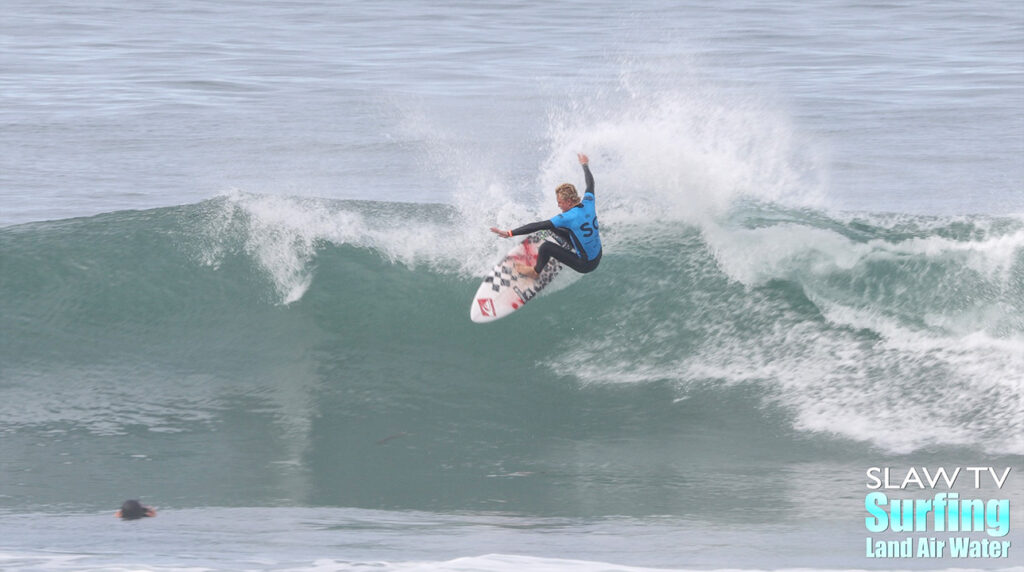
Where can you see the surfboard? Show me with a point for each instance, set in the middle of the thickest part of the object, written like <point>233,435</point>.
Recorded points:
<point>504,290</point>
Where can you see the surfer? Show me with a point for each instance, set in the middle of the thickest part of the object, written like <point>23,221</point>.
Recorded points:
<point>133,510</point>
<point>577,224</point>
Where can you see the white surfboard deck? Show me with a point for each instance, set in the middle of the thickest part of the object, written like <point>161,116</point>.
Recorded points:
<point>504,290</point>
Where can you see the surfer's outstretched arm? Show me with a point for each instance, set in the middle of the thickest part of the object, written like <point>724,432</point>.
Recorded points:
<point>525,229</point>
<point>585,161</point>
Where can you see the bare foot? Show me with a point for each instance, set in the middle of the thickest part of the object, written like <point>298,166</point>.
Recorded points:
<point>526,270</point>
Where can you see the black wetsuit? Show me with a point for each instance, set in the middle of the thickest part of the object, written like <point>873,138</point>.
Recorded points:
<point>578,228</point>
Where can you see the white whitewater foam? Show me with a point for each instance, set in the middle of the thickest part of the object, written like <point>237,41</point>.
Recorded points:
<point>868,368</point>
<point>483,563</point>
<point>282,236</point>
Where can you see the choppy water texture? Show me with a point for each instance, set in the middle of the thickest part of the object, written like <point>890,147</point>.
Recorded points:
<point>241,240</point>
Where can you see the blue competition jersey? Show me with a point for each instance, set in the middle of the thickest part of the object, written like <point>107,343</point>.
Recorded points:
<point>581,222</point>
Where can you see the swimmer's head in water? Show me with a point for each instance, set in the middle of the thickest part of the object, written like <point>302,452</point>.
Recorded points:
<point>133,509</point>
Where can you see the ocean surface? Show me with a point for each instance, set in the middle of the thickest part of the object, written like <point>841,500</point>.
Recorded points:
<point>239,242</point>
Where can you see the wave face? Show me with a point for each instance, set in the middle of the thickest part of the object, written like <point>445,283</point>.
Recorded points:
<point>901,332</point>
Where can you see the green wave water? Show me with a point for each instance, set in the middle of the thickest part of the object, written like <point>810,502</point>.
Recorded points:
<point>263,350</point>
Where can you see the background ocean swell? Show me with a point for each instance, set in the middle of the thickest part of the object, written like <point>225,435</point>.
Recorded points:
<point>902,332</point>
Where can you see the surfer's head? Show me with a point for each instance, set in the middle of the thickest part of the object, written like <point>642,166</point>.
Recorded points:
<point>133,509</point>
<point>567,196</point>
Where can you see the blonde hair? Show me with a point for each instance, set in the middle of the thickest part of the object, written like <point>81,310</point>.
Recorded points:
<point>567,192</point>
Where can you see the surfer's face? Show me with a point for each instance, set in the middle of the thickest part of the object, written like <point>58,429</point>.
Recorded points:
<point>564,204</point>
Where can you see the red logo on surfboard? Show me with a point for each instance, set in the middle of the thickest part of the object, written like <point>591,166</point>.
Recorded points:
<point>486,307</point>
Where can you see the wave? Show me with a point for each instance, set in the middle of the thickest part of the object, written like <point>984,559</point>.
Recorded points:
<point>904,332</point>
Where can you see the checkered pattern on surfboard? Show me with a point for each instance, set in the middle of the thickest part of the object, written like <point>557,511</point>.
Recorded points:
<point>504,274</point>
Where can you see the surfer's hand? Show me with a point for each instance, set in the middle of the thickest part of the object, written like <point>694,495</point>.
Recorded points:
<point>583,158</point>
<point>504,233</point>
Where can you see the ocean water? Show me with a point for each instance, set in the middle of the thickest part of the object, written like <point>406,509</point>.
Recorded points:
<point>239,243</point>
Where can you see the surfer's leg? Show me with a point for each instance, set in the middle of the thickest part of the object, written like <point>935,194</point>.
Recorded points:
<point>547,251</point>
<point>550,250</point>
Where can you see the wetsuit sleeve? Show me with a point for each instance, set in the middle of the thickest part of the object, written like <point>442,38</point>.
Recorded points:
<point>533,227</point>
<point>590,179</point>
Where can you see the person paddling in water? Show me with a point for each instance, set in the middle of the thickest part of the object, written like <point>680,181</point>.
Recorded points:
<point>577,224</point>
